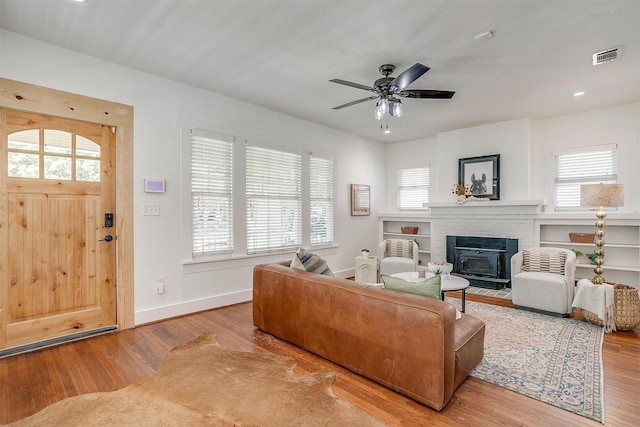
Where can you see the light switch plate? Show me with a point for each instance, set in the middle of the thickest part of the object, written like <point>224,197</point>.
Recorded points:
<point>151,210</point>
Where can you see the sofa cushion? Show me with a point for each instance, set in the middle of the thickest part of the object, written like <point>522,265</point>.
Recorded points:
<point>552,262</point>
<point>308,261</point>
<point>429,287</point>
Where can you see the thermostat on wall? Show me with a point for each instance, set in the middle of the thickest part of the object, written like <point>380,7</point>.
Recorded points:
<point>154,185</point>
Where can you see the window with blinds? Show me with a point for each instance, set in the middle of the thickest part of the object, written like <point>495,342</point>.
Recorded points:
<point>211,194</point>
<point>274,201</point>
<point>577,168</point>
<point>321,200</point>
<point>413,188</point>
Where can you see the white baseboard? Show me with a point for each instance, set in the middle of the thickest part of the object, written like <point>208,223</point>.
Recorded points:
<point>179,309</point>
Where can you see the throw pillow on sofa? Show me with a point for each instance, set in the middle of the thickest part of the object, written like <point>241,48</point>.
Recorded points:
<point>429,287</point>
<point>310,262</point>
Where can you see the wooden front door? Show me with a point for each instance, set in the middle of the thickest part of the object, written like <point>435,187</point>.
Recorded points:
<point>57,184</point>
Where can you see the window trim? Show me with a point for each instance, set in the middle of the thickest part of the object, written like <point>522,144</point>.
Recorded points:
<point>240,257</point>
<point>583,179</point>
<point>416,186</point>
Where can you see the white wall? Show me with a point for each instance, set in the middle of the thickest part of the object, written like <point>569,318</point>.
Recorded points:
<point>163,108</point>
<point>616,125</point>
<point>526,153</point>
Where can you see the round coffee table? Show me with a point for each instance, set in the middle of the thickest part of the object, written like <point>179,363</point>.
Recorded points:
<point>448,283</point>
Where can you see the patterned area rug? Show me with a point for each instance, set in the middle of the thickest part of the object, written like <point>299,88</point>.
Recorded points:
<point>554,360</point>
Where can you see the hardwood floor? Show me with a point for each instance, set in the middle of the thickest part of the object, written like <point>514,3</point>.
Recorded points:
<point>31,381</point>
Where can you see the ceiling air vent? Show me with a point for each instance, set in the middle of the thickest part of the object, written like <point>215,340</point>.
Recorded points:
<point>607,55</point>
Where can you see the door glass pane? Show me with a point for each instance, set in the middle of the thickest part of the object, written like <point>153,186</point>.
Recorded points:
<point>86,147</point>
<point>87,170</point>
<point>25,140</point>
<point>57,141</point>
<point>22,165</point>
<point>57,167</point>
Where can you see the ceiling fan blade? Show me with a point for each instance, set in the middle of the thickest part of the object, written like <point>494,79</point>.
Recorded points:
<point>356,85</point>
<point>349,104</point>
<point>427,93</point>
<point>408,76</point>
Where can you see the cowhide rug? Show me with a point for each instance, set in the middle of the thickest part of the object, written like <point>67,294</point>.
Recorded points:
<point>201,383</point>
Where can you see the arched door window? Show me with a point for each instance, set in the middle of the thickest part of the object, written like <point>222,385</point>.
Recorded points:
<point>53,154</point>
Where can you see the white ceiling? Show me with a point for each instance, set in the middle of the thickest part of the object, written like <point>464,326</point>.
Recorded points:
<point>281,54</point>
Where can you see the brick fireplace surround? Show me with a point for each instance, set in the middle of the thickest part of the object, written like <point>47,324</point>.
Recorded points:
<point>509,219</point>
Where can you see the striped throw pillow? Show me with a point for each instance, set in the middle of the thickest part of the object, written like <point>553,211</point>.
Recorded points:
<point>399,248</point>
<point>552,262</point>
<point>310,262</point>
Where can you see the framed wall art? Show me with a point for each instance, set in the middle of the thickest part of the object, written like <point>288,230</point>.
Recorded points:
<point>480,176</point>
<point>360,200</point>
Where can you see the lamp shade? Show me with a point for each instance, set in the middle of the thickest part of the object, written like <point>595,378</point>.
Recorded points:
<point>601,195</point>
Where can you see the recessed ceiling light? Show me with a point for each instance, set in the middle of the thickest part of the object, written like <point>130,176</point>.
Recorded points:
<point>483,35</point>
<point>578,93</point>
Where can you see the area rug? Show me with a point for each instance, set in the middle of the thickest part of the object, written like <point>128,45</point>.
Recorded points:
<point>551,359</point>
<point>201,383</point>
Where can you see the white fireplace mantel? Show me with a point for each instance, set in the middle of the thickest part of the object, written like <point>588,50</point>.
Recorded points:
<point>475,208</point>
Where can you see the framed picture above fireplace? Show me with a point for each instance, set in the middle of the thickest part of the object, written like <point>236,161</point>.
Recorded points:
<point>480,176</point>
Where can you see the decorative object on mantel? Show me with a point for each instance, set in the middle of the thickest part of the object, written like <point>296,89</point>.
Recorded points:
<point>480,176</point>
<point>600,195</point>
<point>462,194</point>
<point>409,230</point>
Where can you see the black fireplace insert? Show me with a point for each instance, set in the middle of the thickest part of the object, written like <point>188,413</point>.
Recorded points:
<point>484,261</point>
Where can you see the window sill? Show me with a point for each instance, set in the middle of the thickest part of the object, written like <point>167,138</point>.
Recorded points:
<point>223,262</point>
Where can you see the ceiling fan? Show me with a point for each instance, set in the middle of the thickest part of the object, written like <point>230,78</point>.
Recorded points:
<point>388,89</point>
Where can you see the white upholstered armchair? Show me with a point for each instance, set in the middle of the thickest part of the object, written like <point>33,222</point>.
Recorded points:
<point>543,279</point>
<point>397,256</point>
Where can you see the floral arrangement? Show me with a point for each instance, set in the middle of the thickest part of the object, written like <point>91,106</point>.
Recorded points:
<point>440,267</point>
<point>459,190</point>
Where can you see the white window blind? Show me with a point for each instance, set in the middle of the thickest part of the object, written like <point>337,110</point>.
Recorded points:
<point>574,169</point>
<point>274,202</point>
<point>321,200</point>
<point>211,194</point>
<point>413,188</point>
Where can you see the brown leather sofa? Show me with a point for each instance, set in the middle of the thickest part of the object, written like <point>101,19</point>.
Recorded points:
<point>409,343</point>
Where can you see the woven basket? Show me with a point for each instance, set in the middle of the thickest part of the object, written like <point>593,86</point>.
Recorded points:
<point>626,308</point>
<point>409,230</point>
<point>581,237</point>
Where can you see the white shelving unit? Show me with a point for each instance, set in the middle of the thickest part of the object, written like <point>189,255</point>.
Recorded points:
<point>621,248</point>
<point>390,228</point>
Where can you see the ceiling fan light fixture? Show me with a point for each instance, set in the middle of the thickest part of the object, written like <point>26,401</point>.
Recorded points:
<point>395,108</point>
<point>382,108</point>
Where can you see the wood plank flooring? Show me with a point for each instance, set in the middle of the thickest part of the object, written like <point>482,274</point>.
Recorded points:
<point>31,381</point>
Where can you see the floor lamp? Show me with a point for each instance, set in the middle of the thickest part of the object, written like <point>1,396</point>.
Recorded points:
<point>600,195</point>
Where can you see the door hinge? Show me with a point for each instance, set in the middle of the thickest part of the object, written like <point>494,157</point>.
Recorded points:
<point>113,130</point>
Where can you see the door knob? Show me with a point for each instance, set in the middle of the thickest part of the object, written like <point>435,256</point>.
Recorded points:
<point>107,238</point>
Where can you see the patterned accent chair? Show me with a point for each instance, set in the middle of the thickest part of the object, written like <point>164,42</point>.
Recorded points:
<point>542,279</point>
<point>397,256</point>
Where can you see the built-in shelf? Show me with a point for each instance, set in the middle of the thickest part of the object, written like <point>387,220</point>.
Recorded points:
<point>607,245</point>
<point>391,225</point>
<point>621,248</point>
